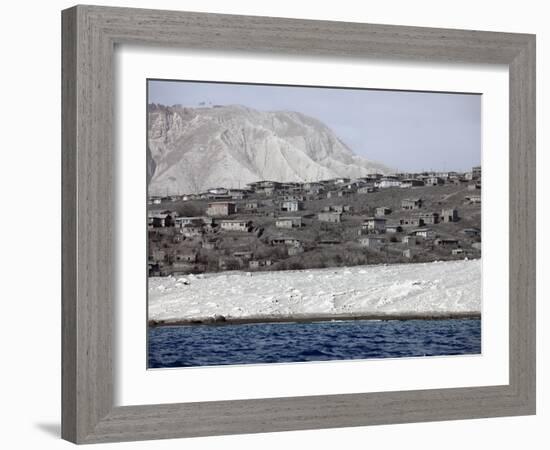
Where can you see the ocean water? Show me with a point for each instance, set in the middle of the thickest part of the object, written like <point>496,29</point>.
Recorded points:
<point>209,345</point>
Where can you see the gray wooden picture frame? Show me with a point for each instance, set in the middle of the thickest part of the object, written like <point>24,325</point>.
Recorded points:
<point>90,34</point>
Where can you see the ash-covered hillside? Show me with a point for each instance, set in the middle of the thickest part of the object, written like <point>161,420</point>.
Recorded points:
<point>193,149</point>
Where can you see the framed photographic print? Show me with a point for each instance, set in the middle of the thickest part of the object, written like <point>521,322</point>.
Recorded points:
<point>254,213</point>
<point>271,240</point>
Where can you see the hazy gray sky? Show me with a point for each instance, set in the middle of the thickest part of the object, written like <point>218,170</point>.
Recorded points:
<point>408,131</point>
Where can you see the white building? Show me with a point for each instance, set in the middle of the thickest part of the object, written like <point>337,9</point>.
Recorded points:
<point>330,216</point>
<point>291,205</point>
<point>426,233</point>
<point>388,182</point>
<point>288,222</point>
<point>373,225</point>
<point>220,209</point>
<point>235,225</point>
<point>374,242</point>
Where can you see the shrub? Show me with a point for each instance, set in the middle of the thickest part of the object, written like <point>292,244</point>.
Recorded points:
<point>188,210</point>
<point>295,265</point>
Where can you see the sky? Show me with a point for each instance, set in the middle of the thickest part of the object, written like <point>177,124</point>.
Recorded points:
<point>405,130</point>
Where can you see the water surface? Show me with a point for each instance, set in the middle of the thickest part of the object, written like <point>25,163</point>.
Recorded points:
<point>259,343</point>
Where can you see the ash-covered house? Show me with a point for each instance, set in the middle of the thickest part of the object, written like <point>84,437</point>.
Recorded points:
<point>342,180</point>
<point>329,216</point>
<point>209,225</point>
<point>474,199</point>
<point>160,219</point>
<point>472,232</point>
<point>216,209</point>
<point>393,228</point>
<point>476,173</point>
<point>282,240</point>
<point>456,179</point>
<point>347,191</point>
<point>236,225</point>
<point>388,182</point>
<point>373,225</point>
<point>237,194</point>
<point>413,221</point>
<point>265,187</point>
<point>293,197</point>
<point>425,233</point>
<point>410,183</point>
<point>366,189</point>
<point>258,263</point>
<point>382,211</point>
<point>181,221</point>
<point>375,242</point>
<point>191,230</point>
<point>243,256</point>
<point>429,218</point>
<point>291,205</point>
<point>341,193</point>
<point>446,243</point>
<point>449,215</point>
<point>186,255</point>
<point>372,177</point>
<point>252,206</point>
<point>446,175</point>
<point>217,193</point>
<point>338,208</point>
<point>288,222</point>
<point>313,188</point>
<point>409,204</point>
<point>409,240</point>
<point>434,181</point>
<point>292,187</point>
<point>209,244</point>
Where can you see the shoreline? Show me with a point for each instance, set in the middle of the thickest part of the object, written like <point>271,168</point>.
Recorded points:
<point>220,320</point>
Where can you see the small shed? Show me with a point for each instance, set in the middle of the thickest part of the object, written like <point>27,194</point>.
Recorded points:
<point>449,215</point>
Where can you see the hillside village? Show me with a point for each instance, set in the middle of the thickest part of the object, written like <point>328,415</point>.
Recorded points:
<point>269,225</point>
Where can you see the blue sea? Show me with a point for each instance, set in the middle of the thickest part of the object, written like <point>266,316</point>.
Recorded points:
<point>260,343</point>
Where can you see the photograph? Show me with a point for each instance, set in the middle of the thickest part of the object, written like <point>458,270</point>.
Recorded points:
<point>292,224</point>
